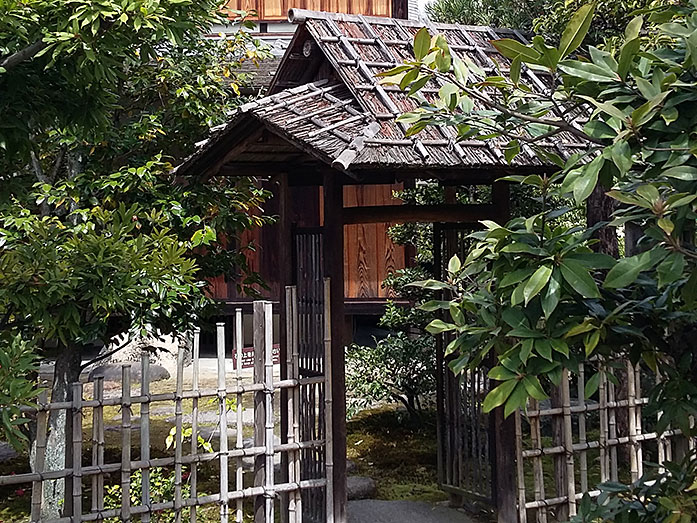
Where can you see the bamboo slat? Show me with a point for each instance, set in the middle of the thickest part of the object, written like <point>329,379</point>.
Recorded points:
<point>145,432</point>
<point>239,443</point>
<point>269,411</point>
<point>612,427</point>
<point>222,422</point>
<point>125,443</point>
<point>522,512</point>
<point>193,478</point>
<point>568,443</point>
<point>39,459</point>
<point>178,436</point>
<point>77,451</point>
<point>538,472</point>
<point>329,445</point>
<point>582,436</point>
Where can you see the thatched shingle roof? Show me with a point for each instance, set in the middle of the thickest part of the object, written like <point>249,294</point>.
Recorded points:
<point>337,110</point>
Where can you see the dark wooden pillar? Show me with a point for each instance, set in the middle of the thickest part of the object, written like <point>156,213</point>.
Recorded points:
<point>333,240</point>
<point>285,277</point>
<point>504,467</point>
<point>400,9</point>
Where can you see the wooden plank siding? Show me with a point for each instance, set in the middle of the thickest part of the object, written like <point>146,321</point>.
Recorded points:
<point>277,10</point>
<point>369,253</point>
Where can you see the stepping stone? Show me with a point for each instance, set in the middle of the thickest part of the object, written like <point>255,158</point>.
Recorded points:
<point>7,453</point>
<point>112,372</point>
<point>360,487</point>
<point>378,511</point>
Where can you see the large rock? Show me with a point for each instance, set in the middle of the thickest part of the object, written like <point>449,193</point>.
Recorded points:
<point>112,372</point>
<point>360,487</point>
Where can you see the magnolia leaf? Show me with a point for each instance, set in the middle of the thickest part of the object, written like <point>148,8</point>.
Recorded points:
<point>671,269</point>
<point>438,326</point>
<point>500,373</point>
<point>536,283</point>
<point>682,172</point>
<point>588,71</point>
<point>627,269</point>
<point>544,349</point>
<point>534,388</point>
<point>578,277</point>
<point>591,340</point>
<point>591,386</point>
<point>576,30</point>
<point>516,400</point>
<point>422,43</point>
<point>499,395</point>
<point>551,298</point>
<point>514,49</point>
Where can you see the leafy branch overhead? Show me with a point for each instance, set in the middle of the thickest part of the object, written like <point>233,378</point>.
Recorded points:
<point>535,292</point>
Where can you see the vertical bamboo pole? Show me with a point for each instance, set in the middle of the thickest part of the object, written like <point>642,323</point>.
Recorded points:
<point>193,478</point>
<point>612,427</point>
<point>40,458</point>
<point>268,396</point>
<point>328,402</point>
<point>126,443</point>
<point>637,392</point>
<point>145,433</point>
<point>222,410</point>
<point>538,472</point>
<point>296,410</point>
<point>603,436</point>
<point>583,458</point>
<point>661,440</point>
<point>259,408</point>
<point>77,451</point>
<point>239,443</point>
<point>291,352</point>
<point>178,438</point>
<point>631,408</point>
<point>568,443</point>
<point>522,513</point>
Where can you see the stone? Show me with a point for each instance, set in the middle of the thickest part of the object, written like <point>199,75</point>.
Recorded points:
<point>360,487</point>
<point>112,372</point>
<point>351,467</point>
<point>7,453</point>
<point>378,511</point>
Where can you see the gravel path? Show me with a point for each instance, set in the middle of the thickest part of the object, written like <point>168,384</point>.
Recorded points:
<point>377,511</point>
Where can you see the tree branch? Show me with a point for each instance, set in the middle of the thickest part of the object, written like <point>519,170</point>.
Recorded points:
<point>23,55</point>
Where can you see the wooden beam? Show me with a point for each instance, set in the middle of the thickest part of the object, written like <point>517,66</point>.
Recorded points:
<point>446,213</point>
<point>333,246</point>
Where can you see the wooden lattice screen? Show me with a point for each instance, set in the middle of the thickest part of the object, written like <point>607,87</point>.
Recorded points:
<point>244,490</point>
<point>566,448</point>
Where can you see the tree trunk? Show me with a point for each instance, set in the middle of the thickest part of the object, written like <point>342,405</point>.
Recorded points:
<point>599,208</point>
<point>58,450</point>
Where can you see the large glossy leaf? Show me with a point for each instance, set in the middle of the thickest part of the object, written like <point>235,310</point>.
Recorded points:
<point>499,395</point>
<point>422,43</point>
<point>682,172</point>
<point>576,30</point>
<point>553,294</point>
<point>588,71</point>
<point>536,283</point>
<point>578,277</point>
<point>627,269</point>
<point>513,49</point>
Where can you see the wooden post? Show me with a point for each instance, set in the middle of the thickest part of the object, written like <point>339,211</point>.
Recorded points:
<point>239,442</point>
<point>37,488</point>
<point>126,443</point>
<point>145,433</point>
<point>259,407</point>
<point>504,489</point>
<point>285,267</point>
<point>328,400</point>
<point>77,451</point>
<point>334,269</point>
<point>178,436</point>
<point>222,417</point>
<point>193,478</point>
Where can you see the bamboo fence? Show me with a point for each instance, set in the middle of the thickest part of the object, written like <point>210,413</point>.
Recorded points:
<point>564,450</point>
<point>258,487</point>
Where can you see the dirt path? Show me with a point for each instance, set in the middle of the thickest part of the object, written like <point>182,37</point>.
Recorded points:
<point>377,511</point>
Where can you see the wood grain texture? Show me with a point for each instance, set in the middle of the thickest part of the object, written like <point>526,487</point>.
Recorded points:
<point>277,10</point>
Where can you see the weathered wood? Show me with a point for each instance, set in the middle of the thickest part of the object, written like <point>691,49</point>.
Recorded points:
<point>239,443</point>
<point>126,443</point>
<point>193,478</point>
<point>259,407</point>
<point>40,458</point>
<point>568,444</point>
<point>505,490</point>
<point>178,436</point>
<point>267,358</point>
<point>77,451</point>
<point>145,432</point>
<point>328,399</point>
<point>222,422</point>
<point>334,269</point>
<point>445,213</point>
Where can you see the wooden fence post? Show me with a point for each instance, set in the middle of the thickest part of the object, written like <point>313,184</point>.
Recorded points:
<point>505,486</point>
<point>259,407</point>
<point>222,421</point>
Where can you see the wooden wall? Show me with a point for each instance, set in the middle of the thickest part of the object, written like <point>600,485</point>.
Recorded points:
<point>274,10</point>
<point>369,254</point>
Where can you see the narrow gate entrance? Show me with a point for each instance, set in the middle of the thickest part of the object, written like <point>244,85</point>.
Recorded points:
<point>466,442</point>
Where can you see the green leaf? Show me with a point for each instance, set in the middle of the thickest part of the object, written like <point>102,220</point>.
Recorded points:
<point>534,388</point>
<point>516,400</point>
<point>580,329</point>
<point>516,276</point>
<point>627,54</point>
<point>578,277</point>
<point>587,180</point>
<point>591,340</point>
<point>682,172</point>
<point>536,283</point>
<point>422,43</point>
<point>670,269</point>
<point>627,269</point>
<point>438,326</point>
<point>689,290</point>
<point>514,49</point>
<point>553,294</point>
<point>588,71</point>
<point>500,373</point>
<point>454,265</point>
<point>544,349</point>
<point>499,395</point>
<point>576,30</point>
<point>592,384</point>
<point>621,155</point>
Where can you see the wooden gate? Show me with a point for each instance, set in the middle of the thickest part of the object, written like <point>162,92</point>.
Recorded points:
<point>312,344</point>
<point>466,444</point>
